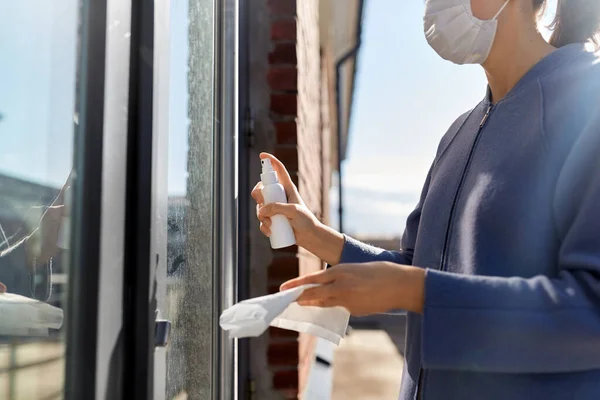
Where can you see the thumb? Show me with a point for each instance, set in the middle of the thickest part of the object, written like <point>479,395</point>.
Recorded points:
<point>287,210</point>
<point>282,172</point>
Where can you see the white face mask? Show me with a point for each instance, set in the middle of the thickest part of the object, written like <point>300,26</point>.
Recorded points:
<point>456,34</point>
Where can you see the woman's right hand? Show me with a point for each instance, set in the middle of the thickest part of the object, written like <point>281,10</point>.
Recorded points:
<point>303,221</point>
<point>311,234</point>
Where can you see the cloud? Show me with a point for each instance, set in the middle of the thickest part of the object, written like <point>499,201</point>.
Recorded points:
<point>387,174</point>
<point>374,212</point>
<point>380,193</point>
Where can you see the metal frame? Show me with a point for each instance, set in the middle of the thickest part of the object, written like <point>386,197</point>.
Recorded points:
<point>162,61</point>
<point>110,346</point>
<point>140,303</point>
<point>225,260</point>
<point>82,322</point>
<point>244,132</point>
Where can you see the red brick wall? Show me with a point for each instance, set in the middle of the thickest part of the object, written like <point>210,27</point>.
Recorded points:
<point>293,129</point>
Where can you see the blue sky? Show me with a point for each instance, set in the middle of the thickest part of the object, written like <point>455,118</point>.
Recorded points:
<point>406,97</point>
<point>37,70</point>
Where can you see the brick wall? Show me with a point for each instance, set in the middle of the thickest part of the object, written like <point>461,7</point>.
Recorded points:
<point>310,146</point>
<point>287,103</point>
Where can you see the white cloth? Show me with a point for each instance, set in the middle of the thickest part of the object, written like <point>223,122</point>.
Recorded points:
<point>24,316</point>
<point>252,317</point>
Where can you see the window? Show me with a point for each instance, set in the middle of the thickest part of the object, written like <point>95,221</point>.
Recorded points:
<point>116,207</point>
<point>38,47</point>
<point>194,181</point>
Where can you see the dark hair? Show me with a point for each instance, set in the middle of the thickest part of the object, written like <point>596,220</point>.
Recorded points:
<point>576,21</point>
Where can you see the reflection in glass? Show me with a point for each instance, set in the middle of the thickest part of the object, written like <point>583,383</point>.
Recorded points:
<point>38,44</point>
<point>190,206</point>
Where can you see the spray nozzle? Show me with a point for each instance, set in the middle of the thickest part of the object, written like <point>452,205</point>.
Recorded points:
<point>266,165</point>
<point>268,175</point>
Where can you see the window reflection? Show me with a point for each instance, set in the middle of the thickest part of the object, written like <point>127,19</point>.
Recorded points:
<point>38,41</point>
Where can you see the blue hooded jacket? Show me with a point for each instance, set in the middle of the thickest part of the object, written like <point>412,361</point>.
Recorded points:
<point>508,228</point>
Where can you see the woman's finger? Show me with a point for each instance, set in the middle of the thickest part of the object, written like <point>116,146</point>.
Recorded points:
<point>272,209</point>
<point>2,288</point>
<point>319,293</point>
<point>317,278</point>
<point>324,303</point>
<point>257,193</point>
<point>265,230</point>
<point>266,221</point>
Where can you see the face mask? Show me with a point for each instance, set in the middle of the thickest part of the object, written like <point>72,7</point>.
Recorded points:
<point>456,34</point>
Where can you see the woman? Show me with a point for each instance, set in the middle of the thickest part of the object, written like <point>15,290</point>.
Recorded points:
<point>500,262</point>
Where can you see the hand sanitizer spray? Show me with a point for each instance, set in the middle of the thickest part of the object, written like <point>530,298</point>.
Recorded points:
<point>282,234</point>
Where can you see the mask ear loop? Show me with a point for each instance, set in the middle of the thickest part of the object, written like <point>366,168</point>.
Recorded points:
<point>501,9</point>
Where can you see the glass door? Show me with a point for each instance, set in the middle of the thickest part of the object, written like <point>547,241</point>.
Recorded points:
<point>62,203</point>
<point>118,201</point>
<point>37,107</point>
<point>194,181</point>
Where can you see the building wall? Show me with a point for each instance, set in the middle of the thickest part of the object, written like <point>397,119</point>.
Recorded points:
<point>287,106</point>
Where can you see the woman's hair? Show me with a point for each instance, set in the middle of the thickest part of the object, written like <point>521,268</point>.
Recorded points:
<point>576,21</point>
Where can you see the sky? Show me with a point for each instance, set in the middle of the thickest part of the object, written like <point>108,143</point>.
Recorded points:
<point>37,88</point>
<point>405,99</point>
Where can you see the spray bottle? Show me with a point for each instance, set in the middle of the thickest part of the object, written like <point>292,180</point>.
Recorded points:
<point>282,234</point>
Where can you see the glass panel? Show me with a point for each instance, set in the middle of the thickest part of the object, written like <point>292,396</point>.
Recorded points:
<point>38,46</point>
<point>189,303</point>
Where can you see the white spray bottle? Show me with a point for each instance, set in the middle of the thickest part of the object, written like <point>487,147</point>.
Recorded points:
<point>282,234</point>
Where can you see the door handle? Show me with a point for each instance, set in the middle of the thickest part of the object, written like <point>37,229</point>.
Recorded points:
<point>162,331</point>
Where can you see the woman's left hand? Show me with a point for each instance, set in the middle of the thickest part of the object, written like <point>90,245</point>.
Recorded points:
<point>364,289</point>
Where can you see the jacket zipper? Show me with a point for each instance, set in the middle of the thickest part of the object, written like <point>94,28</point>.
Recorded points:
<point>422,372</point>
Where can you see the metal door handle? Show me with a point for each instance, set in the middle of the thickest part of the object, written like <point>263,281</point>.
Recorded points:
<point>162,331</point>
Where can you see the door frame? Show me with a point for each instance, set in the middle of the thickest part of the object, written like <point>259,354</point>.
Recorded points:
<point>88,204</point>
<point>226,175</point>
<point>119,236</point>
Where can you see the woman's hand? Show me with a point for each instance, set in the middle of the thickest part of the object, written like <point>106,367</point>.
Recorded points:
<point>310,233</point>
<point>302,220</point>
<point>364,289</point>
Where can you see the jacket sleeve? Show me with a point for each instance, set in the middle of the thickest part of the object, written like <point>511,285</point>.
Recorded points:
<point>536,325</point>
<point>355,251</point>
